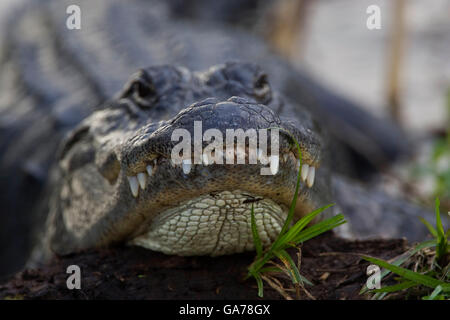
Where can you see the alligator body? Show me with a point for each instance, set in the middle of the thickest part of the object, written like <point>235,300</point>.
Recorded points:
<point>93,158</point>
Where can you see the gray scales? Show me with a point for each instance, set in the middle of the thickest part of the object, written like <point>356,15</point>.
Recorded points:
<point>74,126</point>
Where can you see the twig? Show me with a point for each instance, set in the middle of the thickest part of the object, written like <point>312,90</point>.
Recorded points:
<point>279,289</point>
<point>395,60</point>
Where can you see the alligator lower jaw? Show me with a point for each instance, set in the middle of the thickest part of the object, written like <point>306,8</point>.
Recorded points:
<point>214,224</point>
<point>206,210</point>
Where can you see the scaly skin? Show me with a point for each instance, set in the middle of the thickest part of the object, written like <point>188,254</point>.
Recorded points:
<point>203,211</point>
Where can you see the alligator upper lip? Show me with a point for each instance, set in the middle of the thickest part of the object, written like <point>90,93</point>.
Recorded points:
<point>139,180</point>
<point>150,148</point>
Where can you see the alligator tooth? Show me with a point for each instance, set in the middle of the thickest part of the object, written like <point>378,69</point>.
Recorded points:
<point>142,178</point>
<point>274,164</point>
<point>186,166</point>
<point>305,170</point>
<point>311,175</point>
<point>149,170</point>
<point>285,157</point>
<point>134,185</point>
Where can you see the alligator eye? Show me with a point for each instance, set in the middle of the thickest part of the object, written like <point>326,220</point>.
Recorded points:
<point>262,89</point>
<point>143,90</point>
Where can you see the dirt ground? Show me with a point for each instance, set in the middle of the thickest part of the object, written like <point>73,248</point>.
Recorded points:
<point>329,262</point>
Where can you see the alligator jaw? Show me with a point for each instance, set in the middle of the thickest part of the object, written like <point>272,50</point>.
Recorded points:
<point>204,208</point>
<point>218,222</point>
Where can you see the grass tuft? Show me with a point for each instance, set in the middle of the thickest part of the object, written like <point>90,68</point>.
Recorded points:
<point>430,279</point>
<point>287,238</point>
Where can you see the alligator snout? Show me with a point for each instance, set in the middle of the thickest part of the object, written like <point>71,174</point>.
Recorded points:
<point>235,131</point>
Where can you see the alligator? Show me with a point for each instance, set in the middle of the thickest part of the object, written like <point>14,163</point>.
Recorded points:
<point>123,154</point>
<point>90,148</point>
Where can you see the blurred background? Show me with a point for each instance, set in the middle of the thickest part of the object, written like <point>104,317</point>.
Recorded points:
<point>401,71</point>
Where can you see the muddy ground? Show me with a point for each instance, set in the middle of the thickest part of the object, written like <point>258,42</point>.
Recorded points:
<point>331,263</point>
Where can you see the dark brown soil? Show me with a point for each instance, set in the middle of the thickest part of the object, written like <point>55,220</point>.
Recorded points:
<point>331,263</point>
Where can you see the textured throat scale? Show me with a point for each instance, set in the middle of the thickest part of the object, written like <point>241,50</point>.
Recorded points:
<point>214,224</point>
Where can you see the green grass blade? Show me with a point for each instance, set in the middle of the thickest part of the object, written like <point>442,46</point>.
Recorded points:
<point>290,216</point>
<point>439,226</point>
<point>256,238</point>
<point>292,268</point>
<point>301,224</point>
<point>379,296</point>
<point>442,242</point>
<point>447,272</point>
<point>260,284</point>
<point>306,234</point>
<point>320,228</point>
<point>434,294</point>
<point>270,269</point>
<point>410,275</point>
<point>402,258</point>
<point>396,287</point>
<point>286,259</point>
<point>305,280</point>
<point>429,227</point>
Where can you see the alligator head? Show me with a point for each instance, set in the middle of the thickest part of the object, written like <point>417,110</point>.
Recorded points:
<point>118,181</point>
